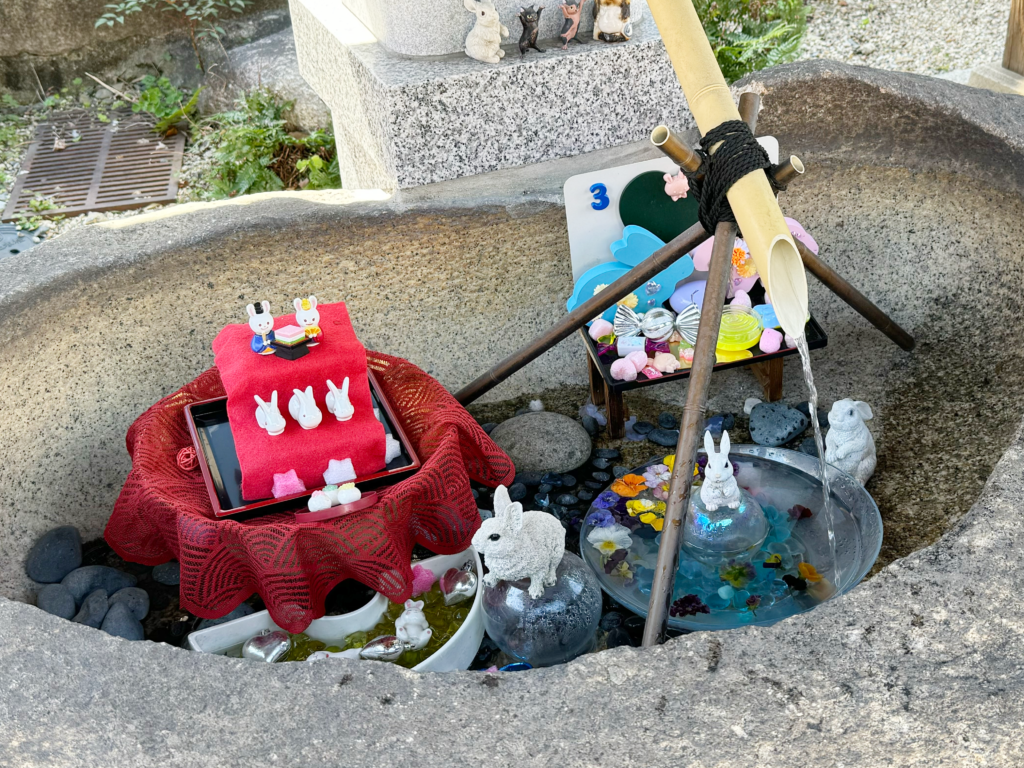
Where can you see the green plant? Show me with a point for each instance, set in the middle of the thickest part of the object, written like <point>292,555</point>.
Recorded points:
<point>200,17</point>
<point>164,102</point>
<point>748,35</point>
<point>254,151</point>
<point>38,206</point>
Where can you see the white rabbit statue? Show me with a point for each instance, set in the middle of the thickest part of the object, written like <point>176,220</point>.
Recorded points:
<point>261,322</point>
<point>848,443</point>
<point>268,416</point>
<point>412,626</point>
<point>338,402</point>
<point>302,407</point>
<point>484,41</point>
<point>308,317</point>
<point>520,545</point>
<point>720,488</point>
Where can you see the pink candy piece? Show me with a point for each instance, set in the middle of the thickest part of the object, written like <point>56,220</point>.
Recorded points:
<point>790,341</point>
<point>742,298</point>
<point>771,341</point>
<point>676,186</point>
<point>666,362</point>
<point>624,370</point>
<point>651,372</point>
<point>687,354</point>
<point>422,580</point>
<point>287,484</point>
<point>599,328</point>
<point>637,359</point>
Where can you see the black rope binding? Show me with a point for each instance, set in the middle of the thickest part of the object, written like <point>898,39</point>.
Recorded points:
<point>738,155</point>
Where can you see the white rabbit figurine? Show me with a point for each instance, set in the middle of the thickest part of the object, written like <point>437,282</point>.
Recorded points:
<point>262,324</point>
<point>302,407</point>
<point>338,402</point>
<point>268,416</point>
<point>308,317</point>
<point>520,545</point>
<point>412,626</point>
<point>848,443</point>
<point>720,488</point>
<point>484,41</point>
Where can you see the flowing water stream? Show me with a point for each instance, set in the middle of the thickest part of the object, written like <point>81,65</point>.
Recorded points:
<point>819,442</point>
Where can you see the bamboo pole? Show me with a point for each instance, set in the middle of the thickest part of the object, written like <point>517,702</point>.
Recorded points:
<point>757,211</point>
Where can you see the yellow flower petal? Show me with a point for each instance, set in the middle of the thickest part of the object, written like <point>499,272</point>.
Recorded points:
<point>809,573</point>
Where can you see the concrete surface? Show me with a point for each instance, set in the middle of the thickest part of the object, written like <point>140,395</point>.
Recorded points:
<point>996,77</point>
<point>914,191</point>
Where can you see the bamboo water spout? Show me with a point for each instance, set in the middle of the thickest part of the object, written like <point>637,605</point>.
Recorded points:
<point>752,199</point>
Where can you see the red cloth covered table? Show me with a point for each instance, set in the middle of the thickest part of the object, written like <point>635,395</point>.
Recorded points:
<point>308,451</point>
<point>164,512</point>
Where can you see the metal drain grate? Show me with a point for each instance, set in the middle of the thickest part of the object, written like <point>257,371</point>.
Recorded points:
<point>109,166</point>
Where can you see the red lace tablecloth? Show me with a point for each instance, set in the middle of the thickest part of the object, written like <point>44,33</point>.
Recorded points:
<point>164,512</point>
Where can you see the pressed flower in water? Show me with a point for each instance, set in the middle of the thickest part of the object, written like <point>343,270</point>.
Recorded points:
<point>656,474</point>
<point>602,518</point>
<point>799,512</point>
<point>688,605</point>
<point>613,561</point>
<point>753,603</point>
<point>809,573</point>
<point>657,522</point>
<point>606,500</point>
<point>737,574</point>
<point>639,506</point>
<point>629,485</point>
<point>609,539</point>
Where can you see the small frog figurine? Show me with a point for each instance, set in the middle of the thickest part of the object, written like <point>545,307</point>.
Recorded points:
<point>262,324</point>
<point>308,317</point>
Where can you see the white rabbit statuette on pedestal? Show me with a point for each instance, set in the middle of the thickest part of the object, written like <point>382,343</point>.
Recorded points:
<point>338,402</point>
<point>302,406</point>
<point>484,41</point>
<point>720,488</point>
<point>268,416</point>
<point>518,545</point>
<point>849,445</point>
<point>412,627</point>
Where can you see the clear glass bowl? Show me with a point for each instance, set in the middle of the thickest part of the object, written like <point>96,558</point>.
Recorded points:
<point>780,480</point>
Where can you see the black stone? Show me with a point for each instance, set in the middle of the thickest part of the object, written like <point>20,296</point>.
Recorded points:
<point>530,478</point>
<point>54,555</point>
<point>643,427</point>
<point>601,463</point>
<point>517,492</point>
<point>120,621</point>
<point>475,492</point>
<point>607,453</point>
<point>590,424</point>
<point>93,609</point>
<point>634,625</point>
<point>168,574</point>
<point>667,421</point>
<point>665,437</point>
<point>55,599</point>
<point>728,419</point>
<point>618,637</point>
<point>242,610</point>
<point>87,579</point>
<point>715,425</point>
<point>545,488</point>
<point>552,478</point>
<point>593,484</point>
<point>603,477</point>
<point>568,481</point>
<point>584,494</point>
<point>568,500</point>
<point>610,621</point>
<point>620,471</point>
<point>542,499</point>
<point>136,599</point>
<point>560,512</point>
<point>488,427</point>
<point>808,446</point>
<point>773,424</point>
<point>805,409</point>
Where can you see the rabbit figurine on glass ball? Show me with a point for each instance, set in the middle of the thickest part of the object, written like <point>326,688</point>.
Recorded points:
<point>520,545</point>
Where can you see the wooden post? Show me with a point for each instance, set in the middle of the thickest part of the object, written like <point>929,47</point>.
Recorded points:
<point>769,376</point>
<point>1013,53</point>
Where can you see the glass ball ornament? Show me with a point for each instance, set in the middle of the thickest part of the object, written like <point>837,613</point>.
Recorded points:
<point>552,629</point>
<point>714,537</point>
<point>658,324</point>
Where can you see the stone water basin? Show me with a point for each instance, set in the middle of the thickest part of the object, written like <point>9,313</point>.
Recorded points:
<point>780,480</point>
<point>915,189</point>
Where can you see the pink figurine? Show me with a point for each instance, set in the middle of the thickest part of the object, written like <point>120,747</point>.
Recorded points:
<point>666,362</point>
<point>677,186</point>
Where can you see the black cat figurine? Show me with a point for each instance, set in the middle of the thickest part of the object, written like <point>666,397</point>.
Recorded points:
<point>530,18</point>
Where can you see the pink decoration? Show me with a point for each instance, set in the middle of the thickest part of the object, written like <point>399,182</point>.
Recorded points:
<point>287,484</point>
<point>771,341</point>
<point>742,298</point>
<point>800,234</point>
<point>651,372</point>
<point>422,580</point>
<point>790,341</point>
<point>676,186</point>
<point>599,328</point>
<point>687,354</point>
<point>624,370</point>
<point>688,293</point>
<point>666,362</point>
<point>637,359</point>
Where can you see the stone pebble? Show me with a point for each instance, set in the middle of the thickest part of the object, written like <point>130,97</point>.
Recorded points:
<point>620,471</point>
<point>93,609</point>
<point>600,463</point>
<point>773,424</point>
<point>667,421</point>
<point>87,579</point>
<point>643,427</point>
<point>552,478</point>
<point>668,438</point>
<point>585,494</point>
<point>607,453</point>
<point>168,574</point>
<point>55,599</point>
<point>805,409</point>
<point>244,609</point>
<point>488,427</point>
<point>567,500</point>
<point>568,481</point>
<point>543,442</point>
<point>808,446</point>
<point>517,491</point>
<point>54,555</point>
<point>602,477</point>
<point>590,424</point>
<point>135,598</point>
<point>121,621</point>
<point>529,478</point>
